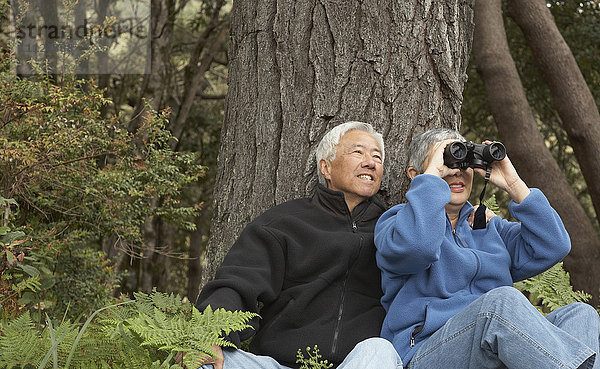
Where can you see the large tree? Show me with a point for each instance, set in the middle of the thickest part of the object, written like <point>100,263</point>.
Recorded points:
<point>518,126</point>
<point>297,68</point>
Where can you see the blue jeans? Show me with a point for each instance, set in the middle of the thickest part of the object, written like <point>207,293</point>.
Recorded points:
<point>501,329</point>
<point>372,353</point>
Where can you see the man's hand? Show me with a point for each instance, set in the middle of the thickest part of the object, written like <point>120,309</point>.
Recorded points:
<point>217,363</point>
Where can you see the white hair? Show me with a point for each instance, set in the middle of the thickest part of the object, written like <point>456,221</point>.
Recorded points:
<point>328,145</point>
<point>419,146</point>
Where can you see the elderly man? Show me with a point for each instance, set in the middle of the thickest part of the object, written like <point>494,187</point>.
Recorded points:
<point>308,267</point>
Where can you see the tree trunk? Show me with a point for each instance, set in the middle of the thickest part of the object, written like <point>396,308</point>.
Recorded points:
<point>571,96</point>
<point>81,45</point>
<point>297,68</point>
<point>525,145</point>
<point>153,85</point>
<point>52,42</point>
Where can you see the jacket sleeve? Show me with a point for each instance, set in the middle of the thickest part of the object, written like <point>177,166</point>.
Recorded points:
<point>539,241</point>
<point>251,273</point>
<point>408,236</point>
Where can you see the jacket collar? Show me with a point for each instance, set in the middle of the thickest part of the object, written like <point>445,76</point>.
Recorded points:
<point>334,202</point>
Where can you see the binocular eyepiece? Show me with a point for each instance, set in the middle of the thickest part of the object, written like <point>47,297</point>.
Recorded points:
<point>460,154</point>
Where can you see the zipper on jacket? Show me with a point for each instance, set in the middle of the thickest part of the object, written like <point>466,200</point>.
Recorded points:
<point>336,332</point>
<point>459,239</point>
<point>463,244</point>
<point>415,331</point>
<point>338,323</point>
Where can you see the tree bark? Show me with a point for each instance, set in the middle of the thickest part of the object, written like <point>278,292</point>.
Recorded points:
<point>525,145</point>
<point>297,68</point>
<point>570,93</point>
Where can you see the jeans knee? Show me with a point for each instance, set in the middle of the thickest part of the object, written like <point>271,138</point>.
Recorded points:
<point>376,345</point>
<point>507,300</point>
<point>579,310</point>
<point>506,293</point>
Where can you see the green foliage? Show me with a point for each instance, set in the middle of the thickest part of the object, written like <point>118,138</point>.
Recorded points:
<point>491,204</point>
<point>141,333</point>
<point>551,290</point>
<point>84,279</point>
<point>71,177</point>
<point>313,361</point>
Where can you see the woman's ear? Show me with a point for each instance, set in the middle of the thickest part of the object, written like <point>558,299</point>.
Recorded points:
<point>325,169</point>
<point>411,172</point>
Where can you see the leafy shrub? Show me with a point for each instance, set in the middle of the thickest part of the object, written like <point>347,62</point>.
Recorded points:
<point>72,177</point>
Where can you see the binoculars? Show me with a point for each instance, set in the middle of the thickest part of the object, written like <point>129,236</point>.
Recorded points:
<point>460,154</point>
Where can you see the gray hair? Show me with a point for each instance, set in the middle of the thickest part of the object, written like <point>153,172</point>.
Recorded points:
<point>328,145</point>
<point>419,146</point>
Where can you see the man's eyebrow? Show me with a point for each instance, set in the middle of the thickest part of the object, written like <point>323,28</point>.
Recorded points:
<point>364,147</point>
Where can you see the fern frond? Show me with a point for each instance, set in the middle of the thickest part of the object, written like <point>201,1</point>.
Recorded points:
<point>20,343</point>
<point>138,334</point>
<point>492,204</point>
<point>32,283</point>
<point>552,289</point>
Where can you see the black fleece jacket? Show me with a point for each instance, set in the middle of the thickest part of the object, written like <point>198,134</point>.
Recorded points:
<point>308,268</point>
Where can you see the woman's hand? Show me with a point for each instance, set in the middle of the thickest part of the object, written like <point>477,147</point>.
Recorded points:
<point>434,163</point>
<point>488,215</point>
<point>505,176</point>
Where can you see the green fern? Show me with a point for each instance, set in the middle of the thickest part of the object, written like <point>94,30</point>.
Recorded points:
<point>19,343</point>
<point>142,333</point>
<point>492,204</point>
<point>552,289</point>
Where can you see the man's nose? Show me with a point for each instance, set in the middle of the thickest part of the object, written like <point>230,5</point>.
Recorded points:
<point>369,161</point>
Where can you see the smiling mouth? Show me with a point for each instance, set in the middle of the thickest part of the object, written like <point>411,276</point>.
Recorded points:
<point>366,177</point>
<point>457,187</point>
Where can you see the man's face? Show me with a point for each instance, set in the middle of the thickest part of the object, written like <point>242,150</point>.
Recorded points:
<point>357,168</point>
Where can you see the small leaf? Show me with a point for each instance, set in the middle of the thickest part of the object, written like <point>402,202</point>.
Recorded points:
<point>10,257</point>
<point>32,271</point>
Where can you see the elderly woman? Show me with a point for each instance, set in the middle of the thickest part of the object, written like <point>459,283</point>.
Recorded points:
<point>448,288</point>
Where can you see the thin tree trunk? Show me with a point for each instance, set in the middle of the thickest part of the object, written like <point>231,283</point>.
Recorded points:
<point>194,83</point>
<point>49,12</point>
<point>571,95</point>
<point>155,80</point>
<point>299,67</point>
<point>525,145</point>
<point>81,44</point>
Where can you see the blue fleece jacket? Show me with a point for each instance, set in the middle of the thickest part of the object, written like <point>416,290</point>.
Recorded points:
<point>430,272</point>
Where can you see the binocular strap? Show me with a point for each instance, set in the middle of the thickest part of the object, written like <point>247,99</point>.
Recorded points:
<point>479,217</point>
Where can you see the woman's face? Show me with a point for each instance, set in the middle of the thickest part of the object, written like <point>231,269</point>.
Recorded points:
<point>460,186</point>
<point>460,183</point>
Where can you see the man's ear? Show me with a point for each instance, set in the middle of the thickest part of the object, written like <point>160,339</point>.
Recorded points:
<point>325,169</point>
<point>411,172</point>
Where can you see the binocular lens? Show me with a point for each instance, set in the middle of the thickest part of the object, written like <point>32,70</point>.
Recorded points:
<point>458,150</point>
<point>497,151</point>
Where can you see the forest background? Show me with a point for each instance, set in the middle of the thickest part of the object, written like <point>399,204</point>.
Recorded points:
<point>107,179</point>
